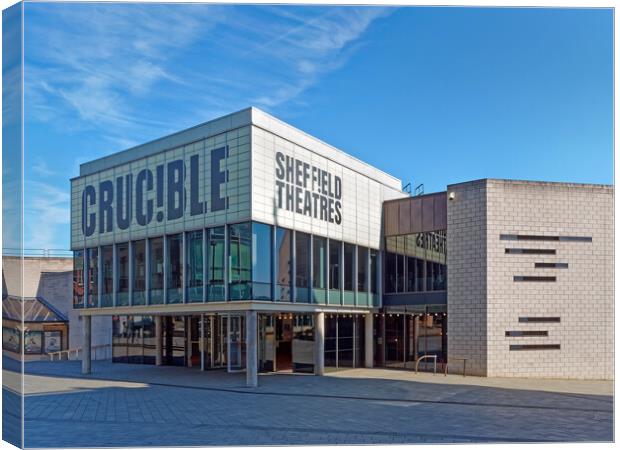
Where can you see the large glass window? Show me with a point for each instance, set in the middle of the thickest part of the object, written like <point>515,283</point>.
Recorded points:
<point>139,273</point>
<point>78,279</point>
<point>335,270</point>
<point>362,276</point>
<point>122,262</point>
<point>319,269</point>
<point>175,268</point>
<point>410,282</point>
<point>107,292</point>
<point>284,241</point>
<point>216,255</point>
<point>419,275</point>
<point>302,266</point>
<point>194,267</point>
<point>156,263</point>
<point>390,272</point>
<point>240,251</point>
<point>349,272</point>
<point>374,273</point>
<point>93,277</point>
<point>261,261</point>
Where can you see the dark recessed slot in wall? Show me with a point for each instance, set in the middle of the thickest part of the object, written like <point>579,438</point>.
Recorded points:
<point>575,238</point>
<point>542,279</point>
<point>526,333</point>
<point>531,251</point>
<point>534,237</point>
<point>548,265</point>
<point>539,319</point>
<point>535,347</point>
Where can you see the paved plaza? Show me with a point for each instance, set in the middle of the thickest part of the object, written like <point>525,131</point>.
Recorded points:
<point>124,404</point>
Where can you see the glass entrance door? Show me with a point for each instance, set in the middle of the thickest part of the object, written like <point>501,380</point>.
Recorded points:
<point>236,343</point>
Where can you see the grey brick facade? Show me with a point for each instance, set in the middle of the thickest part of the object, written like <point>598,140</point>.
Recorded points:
<point>485,300</point>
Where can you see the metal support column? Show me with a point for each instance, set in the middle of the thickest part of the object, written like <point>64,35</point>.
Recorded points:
<point>158,340</point>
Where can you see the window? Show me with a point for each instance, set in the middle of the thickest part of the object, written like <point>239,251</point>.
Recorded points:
<point>362,269</point>
<point>530,237</point>
<point>283,263</point>
<point>558,265</point>
<point>175,268</point>
<point>93,277</point>
<point>440,277</point>
<point>390,273</point>
<point>216,255</point>
<point>302,269</point>
<point>543,279</point>
<point>240,251</point>
<point>157,270</point>
<point>374,273</point>
<point>261,261</point>
<point>535,347</point>
<point>335,270</point>
<point>349,268</point>
<point>531,251</point>
<point>107,292</point>
<point>78,279</point>
<point>195,266</point>
<point>419,270</point>
<point>319,269</point>
<point>410,284</point>
<point>139,273</point>
<point>539,319</point>
<point>526,333</point>
<point>122,262</point>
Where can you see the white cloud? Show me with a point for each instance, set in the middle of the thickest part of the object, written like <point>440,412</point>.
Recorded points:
<point>46,216</point>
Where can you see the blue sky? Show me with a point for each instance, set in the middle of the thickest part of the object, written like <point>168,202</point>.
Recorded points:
<point>430,95</point>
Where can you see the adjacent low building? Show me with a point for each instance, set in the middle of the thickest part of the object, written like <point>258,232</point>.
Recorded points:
<point>246,244</point>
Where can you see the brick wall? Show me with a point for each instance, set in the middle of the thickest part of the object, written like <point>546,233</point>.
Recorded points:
<point>485,301</point>
<point>467,307</point>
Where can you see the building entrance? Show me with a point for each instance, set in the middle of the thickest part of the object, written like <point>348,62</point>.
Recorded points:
<point>284,343</point>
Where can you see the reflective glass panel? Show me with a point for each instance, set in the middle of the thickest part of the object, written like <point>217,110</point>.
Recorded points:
<point>261,261</point>
<point>216,254</point>
<point>240,251</point>
<point>78,279</point>
<point>139,273</point>
<point>93,277</point>
<point>122,262</point>
<point>302,269</point>
<point>157,270</point>
<point>284,240</point>
<point>175,268</point>
<point>195,266</point>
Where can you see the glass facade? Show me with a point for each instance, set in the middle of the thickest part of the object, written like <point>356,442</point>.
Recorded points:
<point>175,268</point>
<point>78,279</point>
<point>335,270</point>
<point>122,283</point>
<point>302,267</point>
<point>92,261</point>
<point>284,249</point>
<point>261,261</point>
<point>344,341</point>
<point>240,251</point>
<point>319,269</point>
<point>156,263</point>
<point>216,255</point>
<point>139,273</point>
<point>415,263</point>
<point>195,266</point>
<point>237,262</point>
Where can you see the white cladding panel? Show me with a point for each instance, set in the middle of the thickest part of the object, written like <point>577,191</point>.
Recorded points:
<point>235,165</point>
<point>361,199</point>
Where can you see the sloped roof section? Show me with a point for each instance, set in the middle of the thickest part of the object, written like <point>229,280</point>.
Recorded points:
<point>36,309</point>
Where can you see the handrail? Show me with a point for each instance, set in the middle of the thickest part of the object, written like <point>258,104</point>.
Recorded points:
<point>445,371</point>
<point>75,350</point>
<point>434,357</point>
